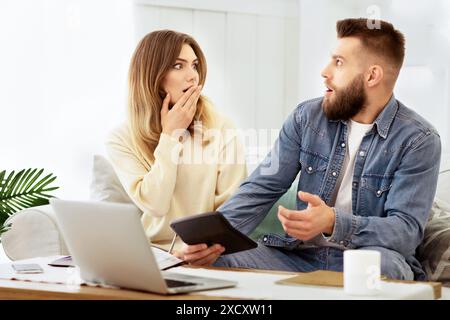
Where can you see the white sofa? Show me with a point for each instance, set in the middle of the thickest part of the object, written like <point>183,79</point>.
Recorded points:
<point>34,231</point>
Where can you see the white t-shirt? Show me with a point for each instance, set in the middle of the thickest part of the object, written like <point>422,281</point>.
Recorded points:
<point>356,132</point>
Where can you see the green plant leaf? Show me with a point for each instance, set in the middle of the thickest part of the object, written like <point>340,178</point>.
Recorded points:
<point>22,177</point>
<point>2,177</point>
<point>29,174</point>
<point>22,190</point>
<point>5,184</point>
<point>33,179</point>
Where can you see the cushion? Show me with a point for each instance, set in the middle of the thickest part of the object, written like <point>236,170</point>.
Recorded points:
<point>271,224</point>
<point>105,185</point>
<point>443,187</point>
<point>434,252</point>
<point>34,233</point>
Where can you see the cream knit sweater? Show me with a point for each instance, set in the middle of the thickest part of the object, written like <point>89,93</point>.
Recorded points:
<point>186,178</point>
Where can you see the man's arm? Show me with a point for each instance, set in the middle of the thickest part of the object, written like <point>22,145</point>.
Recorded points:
<point>270,180</point>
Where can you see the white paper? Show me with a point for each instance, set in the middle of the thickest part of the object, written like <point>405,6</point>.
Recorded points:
<point>165,259</point>
<point>61,275</point>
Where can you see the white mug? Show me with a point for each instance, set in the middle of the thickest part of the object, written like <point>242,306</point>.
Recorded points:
<point>362,272</point>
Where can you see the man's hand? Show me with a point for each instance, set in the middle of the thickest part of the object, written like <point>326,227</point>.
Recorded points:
<point>306,224</point>
<point>199,254</point>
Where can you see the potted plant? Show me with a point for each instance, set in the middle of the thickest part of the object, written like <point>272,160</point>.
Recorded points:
<point>22,190</point>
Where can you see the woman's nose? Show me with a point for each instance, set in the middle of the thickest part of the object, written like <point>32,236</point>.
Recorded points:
<point>191,74</point>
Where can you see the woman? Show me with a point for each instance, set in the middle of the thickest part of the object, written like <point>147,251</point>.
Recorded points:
<point>173,153</point>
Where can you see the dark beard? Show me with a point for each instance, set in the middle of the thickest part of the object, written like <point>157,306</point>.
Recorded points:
<point>347,102</point>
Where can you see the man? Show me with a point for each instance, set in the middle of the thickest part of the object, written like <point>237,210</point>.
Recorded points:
<point>369,168</point>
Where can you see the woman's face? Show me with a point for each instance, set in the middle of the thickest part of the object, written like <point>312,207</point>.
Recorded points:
<point>182,75</point>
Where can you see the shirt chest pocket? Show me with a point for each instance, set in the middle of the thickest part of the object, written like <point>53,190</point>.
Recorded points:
<point>374,192</point>
<point>313,168</point>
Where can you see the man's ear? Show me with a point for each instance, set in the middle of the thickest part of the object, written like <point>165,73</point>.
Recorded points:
<point>374,75</point>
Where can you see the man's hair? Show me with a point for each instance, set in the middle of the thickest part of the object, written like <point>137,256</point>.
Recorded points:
<point>381,39</point>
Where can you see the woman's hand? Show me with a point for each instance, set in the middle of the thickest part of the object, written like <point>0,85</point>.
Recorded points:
<point>182,113</point>
<point>200,254</point>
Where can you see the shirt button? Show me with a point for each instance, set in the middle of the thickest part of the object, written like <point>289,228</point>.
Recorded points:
<point>343,145</point>
<point>379,193</point>
<point>341,242</point>
<point>265,239</point>
<point>362,153</point>
<point>334,174</point>
<point>355,184</point>
<point>309,169</point>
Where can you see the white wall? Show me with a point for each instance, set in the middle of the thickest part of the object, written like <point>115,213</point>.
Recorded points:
<point>317,38</point>
<point>251,51</point>
<point>62,84</point>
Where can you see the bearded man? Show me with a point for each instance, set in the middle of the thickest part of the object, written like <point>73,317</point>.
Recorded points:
<point>369,169</point>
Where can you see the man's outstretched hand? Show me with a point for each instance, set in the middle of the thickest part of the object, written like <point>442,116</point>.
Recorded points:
<point>306,224</point>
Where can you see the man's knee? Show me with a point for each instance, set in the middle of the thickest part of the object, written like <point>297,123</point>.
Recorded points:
<point>223,261</point>
<point>264,257</point>
<point>393,264</point>
<point>246,259</point>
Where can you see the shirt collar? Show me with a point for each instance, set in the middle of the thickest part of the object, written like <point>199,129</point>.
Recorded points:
<point>385,118</point>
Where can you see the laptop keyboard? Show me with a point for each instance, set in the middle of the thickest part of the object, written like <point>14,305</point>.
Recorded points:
<point>176,283</point>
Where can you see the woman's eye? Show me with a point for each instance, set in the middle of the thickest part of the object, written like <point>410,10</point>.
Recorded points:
<point>177,66</point>
<point>195,66</point>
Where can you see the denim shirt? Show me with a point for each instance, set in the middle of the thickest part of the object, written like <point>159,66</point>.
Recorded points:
<point>394,182</point>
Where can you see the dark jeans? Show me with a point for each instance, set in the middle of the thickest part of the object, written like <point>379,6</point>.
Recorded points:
<point>393,265</point>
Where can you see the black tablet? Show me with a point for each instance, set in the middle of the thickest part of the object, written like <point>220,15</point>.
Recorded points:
<point>212,228</point>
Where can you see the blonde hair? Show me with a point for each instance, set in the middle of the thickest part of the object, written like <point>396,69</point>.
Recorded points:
<point>154,56</point>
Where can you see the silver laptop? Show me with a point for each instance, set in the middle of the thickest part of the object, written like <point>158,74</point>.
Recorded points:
<point>107,242</point>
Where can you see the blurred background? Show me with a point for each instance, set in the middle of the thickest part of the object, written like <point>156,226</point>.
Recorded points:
<point>64,63</point>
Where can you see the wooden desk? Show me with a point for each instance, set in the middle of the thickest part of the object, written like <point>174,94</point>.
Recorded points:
<point>13,289</point>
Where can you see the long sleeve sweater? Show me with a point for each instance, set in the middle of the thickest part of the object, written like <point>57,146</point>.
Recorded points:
<point>185,178</point>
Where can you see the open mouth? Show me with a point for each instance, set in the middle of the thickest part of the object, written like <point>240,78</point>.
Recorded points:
<point>328,90</point>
